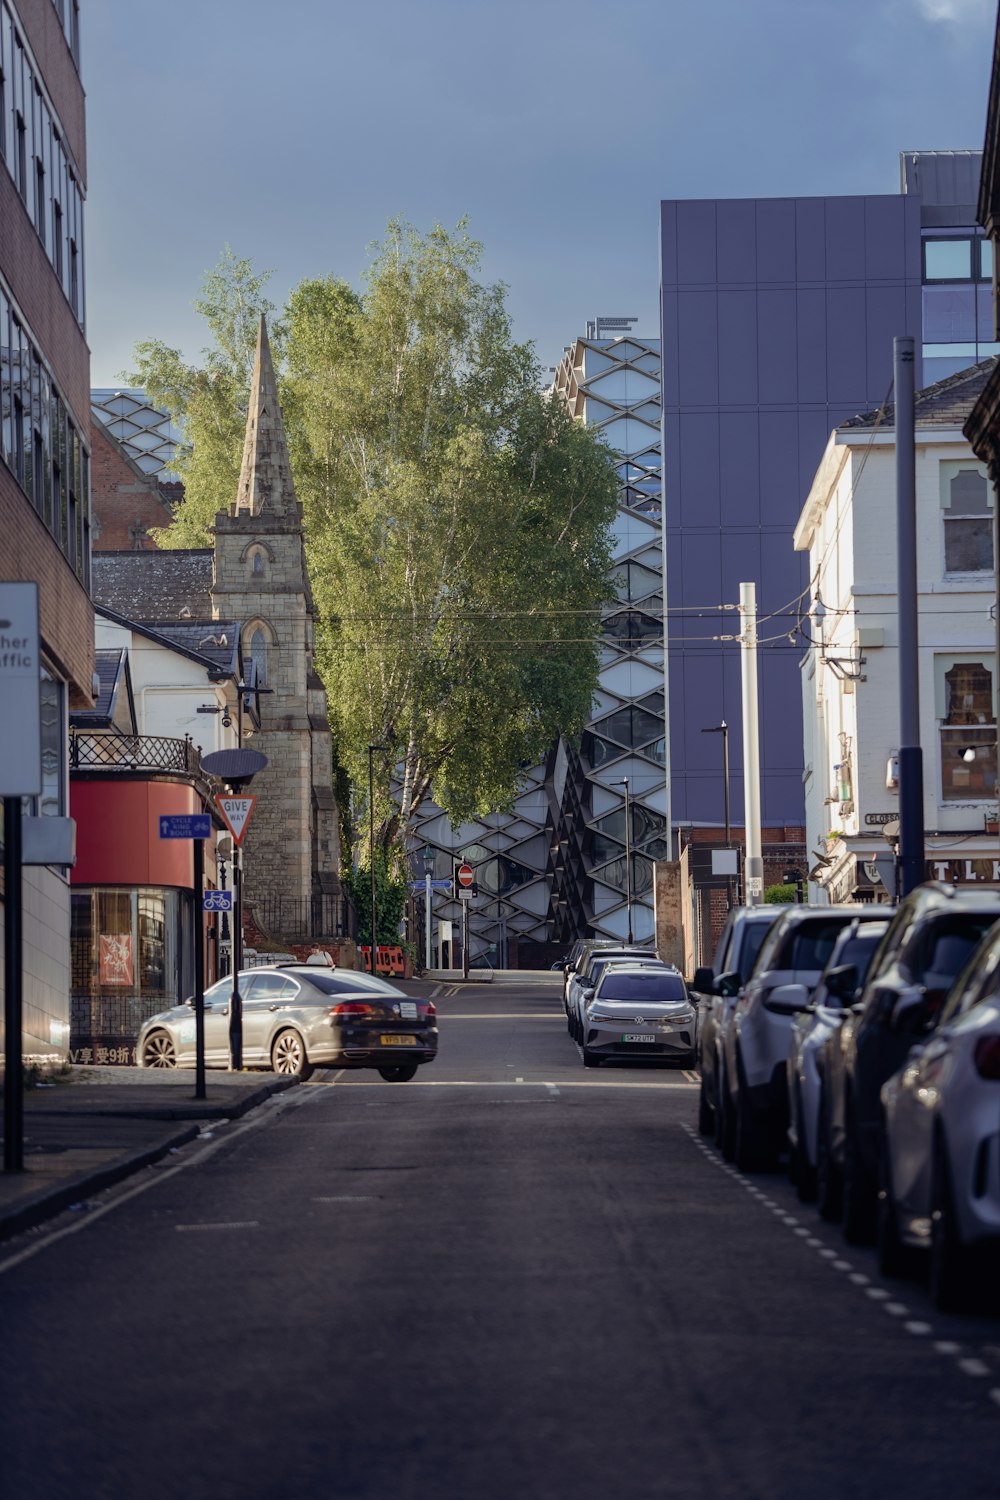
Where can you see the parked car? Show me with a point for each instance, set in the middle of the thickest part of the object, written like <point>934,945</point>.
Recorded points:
<point>926,946</point>
<point>578,955</point>
<point>298,1016</point>
<point>940,1148</point>
<point>714,989</point>
<point>839,986</point>
<point>755,1040</point>
<point>580,979</point>
<point>639,1011</point>
<point>583,990</point>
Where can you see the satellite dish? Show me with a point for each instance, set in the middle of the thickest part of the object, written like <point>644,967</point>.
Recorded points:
<point>234,767</point>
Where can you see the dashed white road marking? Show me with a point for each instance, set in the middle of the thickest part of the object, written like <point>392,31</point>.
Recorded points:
<point>235,1224</point>
<point>880,1296</point>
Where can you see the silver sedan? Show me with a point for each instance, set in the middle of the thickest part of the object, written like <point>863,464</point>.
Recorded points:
<point>639,1012</point>
<point>297,1016</point>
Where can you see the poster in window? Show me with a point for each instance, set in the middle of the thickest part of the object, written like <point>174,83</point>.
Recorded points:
<point>116,966</point>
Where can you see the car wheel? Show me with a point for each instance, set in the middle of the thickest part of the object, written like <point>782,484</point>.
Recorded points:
<point>828,1184</point>
<point>752,1146</point>
<point>801,1169</point>
<point>158,1051</point>
<point>288,1055</point>
<point>590,1059</point>
<point>956,1279</point>
<point>859,1194</point>
<point>401,1074</point>
<point>706,1114</point>
<point>894,1258</point>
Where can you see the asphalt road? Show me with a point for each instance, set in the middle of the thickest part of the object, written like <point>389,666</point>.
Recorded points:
<point>512,1278</point>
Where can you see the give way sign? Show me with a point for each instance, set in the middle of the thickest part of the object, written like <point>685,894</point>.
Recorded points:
<point>236,814</point>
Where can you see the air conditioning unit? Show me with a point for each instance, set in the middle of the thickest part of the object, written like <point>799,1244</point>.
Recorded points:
<point>892,773</point>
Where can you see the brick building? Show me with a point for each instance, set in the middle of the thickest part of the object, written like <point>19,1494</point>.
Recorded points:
<point>44,435</point>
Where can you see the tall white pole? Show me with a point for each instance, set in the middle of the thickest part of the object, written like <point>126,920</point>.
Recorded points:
<point>753,891</point>
<point>428,936</point>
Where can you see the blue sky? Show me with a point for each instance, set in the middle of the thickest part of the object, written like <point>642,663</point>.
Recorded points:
<point>294,130</point>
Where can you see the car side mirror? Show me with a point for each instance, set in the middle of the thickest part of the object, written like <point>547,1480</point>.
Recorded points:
<point>912,1012</point>
<point>842,982</point>
<point>788,999</point>
<point>729,984</point>
<point>703,981</point>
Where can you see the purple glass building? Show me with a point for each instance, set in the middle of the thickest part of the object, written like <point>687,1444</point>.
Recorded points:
<point>778,317</point>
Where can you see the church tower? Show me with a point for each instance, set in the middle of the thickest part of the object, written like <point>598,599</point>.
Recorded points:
<point>261,579</point>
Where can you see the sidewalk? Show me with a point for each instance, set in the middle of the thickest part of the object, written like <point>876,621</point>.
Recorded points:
<point>100,1125</point>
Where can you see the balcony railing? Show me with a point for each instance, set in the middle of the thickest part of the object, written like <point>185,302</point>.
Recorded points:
<point>131,752</point>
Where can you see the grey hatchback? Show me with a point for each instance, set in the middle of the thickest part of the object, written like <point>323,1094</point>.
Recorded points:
<point>298,1016</point>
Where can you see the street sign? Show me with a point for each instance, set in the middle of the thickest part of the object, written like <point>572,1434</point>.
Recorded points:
<point>185,826</point>
<point>465,895</point>
<point>217,901</point>
<point>436,885</point>
<point>465,876</point>
<point>755,885</point>
<point>236,814</point>
<point>20,692</point>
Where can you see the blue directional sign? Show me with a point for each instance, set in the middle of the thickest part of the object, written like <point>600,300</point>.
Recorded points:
<point>217,901</point>
<point>436,885</point>
<point>185,826</point>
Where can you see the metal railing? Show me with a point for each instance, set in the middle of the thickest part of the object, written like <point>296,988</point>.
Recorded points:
<point>131,752</point>
<point>293,919</point>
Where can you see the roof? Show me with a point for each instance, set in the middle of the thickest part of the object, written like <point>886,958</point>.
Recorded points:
<point>157,585</point>
<point>213,644</point>
<point>112,671</point>
<point>943,179</point>
<point>947,403</point>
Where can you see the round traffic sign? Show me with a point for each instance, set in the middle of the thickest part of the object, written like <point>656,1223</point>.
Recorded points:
<point>465,876</point>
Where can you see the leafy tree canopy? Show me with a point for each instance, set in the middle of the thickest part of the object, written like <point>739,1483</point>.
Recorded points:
<point>458,520</point>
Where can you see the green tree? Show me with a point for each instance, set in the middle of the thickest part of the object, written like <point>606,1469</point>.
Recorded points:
<point>209,400</point>
<point>459,527</point>
<point>390,901</point>
<point>458,521</point>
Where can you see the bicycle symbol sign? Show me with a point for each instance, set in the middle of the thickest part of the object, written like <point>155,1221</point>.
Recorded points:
<point>217,901</point>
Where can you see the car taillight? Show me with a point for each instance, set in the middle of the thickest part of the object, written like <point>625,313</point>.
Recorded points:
<point>429,1009</point>
<point>352,1008</point>
<point>987,1057</point>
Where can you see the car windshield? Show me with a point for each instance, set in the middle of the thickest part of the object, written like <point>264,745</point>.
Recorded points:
<point>753,941</point>
<point>342,981</point>
<point>812,943</point>
<point>650,987</point>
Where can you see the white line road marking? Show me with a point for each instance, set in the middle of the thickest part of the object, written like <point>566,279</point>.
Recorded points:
<point>877,1293</point>
<point>356,1082</point>
<point>349,1198</point>
<point>995,1397</point>
<point>236,1224</point>
<point>917,1328</point>
<point>973,1367</point>
<point>859,1278</point>
<point>946,1346</point>
<point>896,1309</point>
<point>552,1090</point>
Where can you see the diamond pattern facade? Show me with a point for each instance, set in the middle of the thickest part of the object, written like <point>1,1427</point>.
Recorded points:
<point>555,867</point>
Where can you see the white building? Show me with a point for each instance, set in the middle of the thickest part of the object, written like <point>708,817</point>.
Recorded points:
<point>850,672</point>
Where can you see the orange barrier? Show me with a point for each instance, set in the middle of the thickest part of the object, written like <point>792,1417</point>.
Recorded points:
<point>388,960</point>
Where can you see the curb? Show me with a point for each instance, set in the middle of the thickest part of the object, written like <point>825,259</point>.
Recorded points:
<point>48,1202</point>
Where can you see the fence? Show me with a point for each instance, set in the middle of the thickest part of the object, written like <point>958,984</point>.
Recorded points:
<point>312,919</point>
<point>131,752</point>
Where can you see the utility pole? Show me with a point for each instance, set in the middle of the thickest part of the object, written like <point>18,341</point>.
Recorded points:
<point>911,766</point>
<point>754,872</point>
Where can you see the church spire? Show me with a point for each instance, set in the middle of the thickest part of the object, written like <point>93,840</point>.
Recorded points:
<point>265,475</point>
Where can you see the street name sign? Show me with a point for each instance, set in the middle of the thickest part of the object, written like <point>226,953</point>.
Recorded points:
<point>216,900</point>
<point>20,692</point>
<point>185,826</point>
<point>236,814</point>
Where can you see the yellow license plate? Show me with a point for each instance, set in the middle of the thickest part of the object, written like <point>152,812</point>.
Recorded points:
<point>398,1041</point>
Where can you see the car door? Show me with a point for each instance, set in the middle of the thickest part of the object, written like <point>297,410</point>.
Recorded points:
<point>269,996</point>
<point>217,1020</point>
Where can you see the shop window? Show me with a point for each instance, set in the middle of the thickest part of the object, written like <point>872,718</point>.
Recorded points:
<point>964,691</point>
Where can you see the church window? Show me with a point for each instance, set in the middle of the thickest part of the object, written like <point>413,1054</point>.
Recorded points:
<point>258,563</point>
<point>258,651</point>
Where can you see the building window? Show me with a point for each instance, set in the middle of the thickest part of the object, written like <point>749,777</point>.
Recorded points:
<point>964,692</point>
<point>967,506</point>
<point>258,654</point>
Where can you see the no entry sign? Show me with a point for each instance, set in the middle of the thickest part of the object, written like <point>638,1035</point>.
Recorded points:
<point>465,876</point>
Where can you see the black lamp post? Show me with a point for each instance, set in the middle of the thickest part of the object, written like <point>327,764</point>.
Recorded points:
<point>723,729</point>
<point>628,858</point>
<point>794,877</point>
<point>371,845</point>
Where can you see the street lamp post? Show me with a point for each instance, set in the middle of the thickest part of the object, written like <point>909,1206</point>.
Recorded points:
<point>428,917</point>
<point>371,842</point>
<point>628,858</point>
<point>723,729</point>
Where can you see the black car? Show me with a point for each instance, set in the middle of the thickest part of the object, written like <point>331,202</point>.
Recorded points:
<point>927,944</point>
